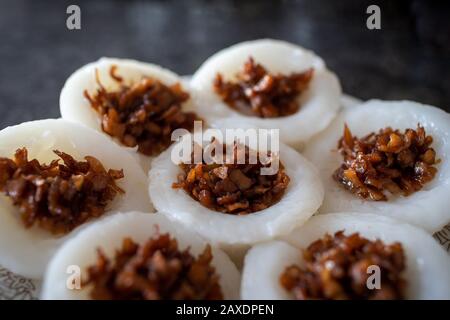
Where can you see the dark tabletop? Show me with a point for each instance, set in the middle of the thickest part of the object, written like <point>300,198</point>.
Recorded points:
<point>409,58</point>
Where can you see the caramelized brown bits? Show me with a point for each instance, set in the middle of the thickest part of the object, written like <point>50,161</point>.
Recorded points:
<point>156,270</point>
<point>143,114</point>
<point>233,188</point>
<point>259,93</point>
<point>336,267</point>
<point>58,197</point>
<point>400,163</point>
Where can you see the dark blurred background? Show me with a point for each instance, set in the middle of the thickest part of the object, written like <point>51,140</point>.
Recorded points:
<point>409,58</point>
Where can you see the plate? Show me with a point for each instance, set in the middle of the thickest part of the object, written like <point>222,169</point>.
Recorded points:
<point>16,287</point>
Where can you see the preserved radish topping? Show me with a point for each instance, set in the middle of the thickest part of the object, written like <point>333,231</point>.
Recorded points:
<point>400,163</point>
<point>336,267</point>
<point>58,197</point>
<point>142,114</point>
<point>259,93</point>
<point>156,270</point>
<point>233,188</point>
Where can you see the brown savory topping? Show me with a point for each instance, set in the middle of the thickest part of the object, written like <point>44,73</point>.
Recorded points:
<point>143,114</point>
<point>259,93</point>
<point>336,267</point>
<point>400,163</point>
<point>58,197</point>
<point>233,188</point>
<point>156,270</point>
